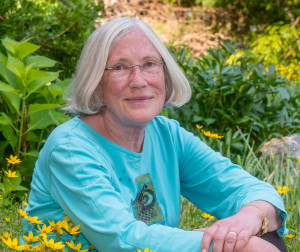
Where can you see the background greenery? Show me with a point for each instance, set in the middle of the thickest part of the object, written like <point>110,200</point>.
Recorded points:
<point>246,90</point>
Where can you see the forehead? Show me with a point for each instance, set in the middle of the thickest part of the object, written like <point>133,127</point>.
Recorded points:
<point>134,45</point>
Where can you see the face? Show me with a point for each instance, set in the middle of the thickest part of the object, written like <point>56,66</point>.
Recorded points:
<point>136,99</point>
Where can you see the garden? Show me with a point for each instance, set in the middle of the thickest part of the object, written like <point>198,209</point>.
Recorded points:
<point>246,91</point>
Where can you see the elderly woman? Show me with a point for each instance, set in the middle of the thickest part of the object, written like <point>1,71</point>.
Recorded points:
<point>118,169</point>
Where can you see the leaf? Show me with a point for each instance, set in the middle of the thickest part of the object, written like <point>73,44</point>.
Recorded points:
<point>58,117</point>
<point>36,107</point>
<point>13,101</point>
<point>9,135</point>
<point>283,92</point>
<point>16,66</point>
<point>39,61</point>
<point>25,48</point>
<point>8,120</point>
<point>19,188</point>
<point>39,120</point>
<point>36,84</point>
<point>6,88</point>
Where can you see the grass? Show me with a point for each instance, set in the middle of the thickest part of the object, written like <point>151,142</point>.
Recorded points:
<point>277,171</point>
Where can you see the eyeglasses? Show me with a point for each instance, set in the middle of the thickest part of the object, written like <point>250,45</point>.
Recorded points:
<point>149,67</point>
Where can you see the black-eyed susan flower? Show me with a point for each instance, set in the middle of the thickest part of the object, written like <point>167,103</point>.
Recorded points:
<point>199,127</point>
<point>33,220</point>
<point>289,236</point>
<point>30,238</point>
<point>56,226</point>
<point>53,245</point>
<point>6,235</point>
<point>45,229</point>
<point>11,174</point>
<point>68,227</point>
<point>22,213</point>
<point>207,216</point>
<point>282,190</point>
<point>13,160</point>
<point>211,135</point>
<point>13,244</point>
<point>77,247</point>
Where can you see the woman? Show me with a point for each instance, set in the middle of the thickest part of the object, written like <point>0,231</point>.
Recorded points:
<point>118,169</point>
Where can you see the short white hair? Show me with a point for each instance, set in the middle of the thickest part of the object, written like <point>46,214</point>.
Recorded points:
<point>84,96</point>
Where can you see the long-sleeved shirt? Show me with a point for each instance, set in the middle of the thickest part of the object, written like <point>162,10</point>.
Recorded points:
<point>124,200</point>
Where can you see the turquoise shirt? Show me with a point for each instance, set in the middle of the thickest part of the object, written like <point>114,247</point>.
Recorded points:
<point>124,200</point>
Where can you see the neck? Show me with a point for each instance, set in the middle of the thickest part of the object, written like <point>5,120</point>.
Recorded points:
<point>129,137</point>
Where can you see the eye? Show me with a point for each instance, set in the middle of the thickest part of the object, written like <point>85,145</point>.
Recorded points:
<point>150,63</point>
<point>119,67</point>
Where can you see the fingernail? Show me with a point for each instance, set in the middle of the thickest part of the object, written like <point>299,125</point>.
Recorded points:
<point>203,250</point>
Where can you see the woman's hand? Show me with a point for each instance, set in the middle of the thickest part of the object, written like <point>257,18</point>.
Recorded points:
<point>238,232</point>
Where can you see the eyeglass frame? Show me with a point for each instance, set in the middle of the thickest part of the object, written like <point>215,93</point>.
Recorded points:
<point>131,68</point>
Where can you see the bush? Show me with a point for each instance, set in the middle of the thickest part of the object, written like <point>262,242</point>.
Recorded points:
<point>30,101</point>
<point>230,89</point>
<point>59,26</point>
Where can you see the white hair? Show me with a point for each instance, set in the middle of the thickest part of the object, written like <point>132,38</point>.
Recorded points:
<point>84,96</point>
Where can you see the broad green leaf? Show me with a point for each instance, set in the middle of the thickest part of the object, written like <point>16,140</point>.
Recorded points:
<point>8,120</point>
<point>3,120</point>
<point>19,188</point>
<point>283,92</point>
<point>25,48</point>
<point>7,75</point>
<point>55,90</point>
<point>36,84</point>
<point>9,135</point>
<point>16,66</point>
<point>39,120</point>
<point>3,59</point>
<point>10,45</point>
<point>58,117</point>
<point>39,61</point>
<point>13,101</point>
<point>35,74</point>
<point>33,108</point>
<point>6,88</point>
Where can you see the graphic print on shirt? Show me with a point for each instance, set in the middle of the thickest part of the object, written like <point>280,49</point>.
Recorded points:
<point>145,207</point>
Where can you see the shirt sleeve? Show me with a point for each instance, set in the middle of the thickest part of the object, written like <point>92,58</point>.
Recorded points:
<point>216,185</point>
<point>82,184</point>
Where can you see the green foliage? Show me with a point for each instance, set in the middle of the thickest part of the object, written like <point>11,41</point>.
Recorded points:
<point>30,101</point>
<point>231,89</point>
<point>60,27</point>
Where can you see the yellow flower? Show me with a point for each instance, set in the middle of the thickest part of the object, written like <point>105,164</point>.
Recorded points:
<point>289,236</point>
<point>25,203</point>
<point>192,223</point>
<point>33,220</point>
<point>39,247</point>
<point>11,174</point>
<point>77,248</point>
<point>91,247</point>
<point>211,135</point>
<point>199,126</point>
<point>207,216</point>
<point>30,238</point>
<point>12,244</point>
<point>7,220</point>
<point>13,160</point>
<point>56,226</point>
<point>22,213</point>
<point>45,229</point>
<point>282,190</point>
<point>69,229</point>
<point>52,245</point>
<point>298,160</point>
<point>6,235</point>
<point>289,207</point>
<point>1,197</point>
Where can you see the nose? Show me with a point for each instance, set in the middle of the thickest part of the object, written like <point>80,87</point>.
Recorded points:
<point>137,79</point>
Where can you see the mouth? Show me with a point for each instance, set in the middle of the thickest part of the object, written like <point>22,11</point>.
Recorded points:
<point>140,98</point>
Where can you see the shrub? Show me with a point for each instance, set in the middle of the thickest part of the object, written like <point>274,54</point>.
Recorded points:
<point>231,88</point>
<point>30,101</point>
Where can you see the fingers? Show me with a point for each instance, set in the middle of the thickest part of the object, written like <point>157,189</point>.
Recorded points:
<point>225,238</point>
<point>230,241</point>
